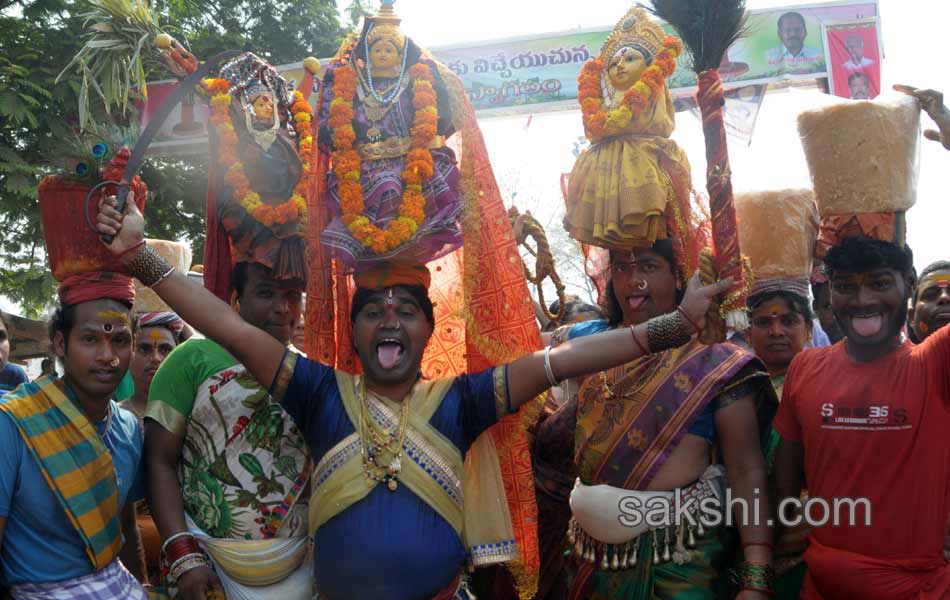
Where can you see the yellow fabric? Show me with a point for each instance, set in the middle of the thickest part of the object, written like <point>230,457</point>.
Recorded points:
<point>52,426</point>
<point>257,562</point>
<point>347,485</point>
<point>489,534</point>
<point>618,192</point>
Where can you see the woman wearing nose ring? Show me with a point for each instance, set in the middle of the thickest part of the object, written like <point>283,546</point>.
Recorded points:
<point>660,423</point>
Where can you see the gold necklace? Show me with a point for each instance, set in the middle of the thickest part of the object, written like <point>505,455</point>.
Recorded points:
<point>374,110</point>
<point>372,450</point>
<point>652,361</point>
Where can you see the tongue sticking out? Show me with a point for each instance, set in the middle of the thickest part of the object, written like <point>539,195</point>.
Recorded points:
<point>388,354</point>
<point>635,302</point>
<point>867,326</point>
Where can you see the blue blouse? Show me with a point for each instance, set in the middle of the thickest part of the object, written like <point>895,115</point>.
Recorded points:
<point>390,545</point>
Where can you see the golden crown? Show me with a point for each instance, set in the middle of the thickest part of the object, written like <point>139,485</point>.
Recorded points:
<point>636,30</point>
<point>385,26</point>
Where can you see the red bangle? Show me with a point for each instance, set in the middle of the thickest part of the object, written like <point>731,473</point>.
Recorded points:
<point>179,548</point>
<point>133,248</point>
<point>767,592</point>
<point>682,311</point>
<point>633,334</point>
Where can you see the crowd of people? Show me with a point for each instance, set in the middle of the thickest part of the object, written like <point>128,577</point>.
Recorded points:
<point>663,464</point>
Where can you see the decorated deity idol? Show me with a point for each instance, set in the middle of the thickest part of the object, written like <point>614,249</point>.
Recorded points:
<point>385,113</point>
<point>632,186</point>
<point>260,129</point>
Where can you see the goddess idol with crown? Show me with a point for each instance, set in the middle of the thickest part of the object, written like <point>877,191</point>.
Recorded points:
<point>632,186</point>
<point>384,115</point>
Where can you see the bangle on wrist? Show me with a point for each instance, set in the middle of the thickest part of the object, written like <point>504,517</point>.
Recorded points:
<point>548,371</point>
<point>636,340</point>
<point>667,331</point>
<point>756,576</point>
<point>149,267</point>
<point>132,250</point>
<point>685,315</point>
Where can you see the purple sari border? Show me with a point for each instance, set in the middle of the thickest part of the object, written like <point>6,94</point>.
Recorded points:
<point>674,406</point>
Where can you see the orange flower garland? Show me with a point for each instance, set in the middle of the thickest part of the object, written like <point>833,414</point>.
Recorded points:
<point>295,208</point>
<point>598,123</point>
<point>347,161</point>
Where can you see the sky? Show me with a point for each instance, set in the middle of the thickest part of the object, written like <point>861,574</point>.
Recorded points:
<point>531,159</point>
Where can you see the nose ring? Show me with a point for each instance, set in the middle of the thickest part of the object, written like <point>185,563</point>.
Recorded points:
<point>114,363</point>
<point>642,285</point>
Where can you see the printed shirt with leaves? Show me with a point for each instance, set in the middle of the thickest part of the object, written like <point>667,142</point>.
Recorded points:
<point>243,463</point>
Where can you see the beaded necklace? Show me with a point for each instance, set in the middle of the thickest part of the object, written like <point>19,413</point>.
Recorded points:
<point>373,445</point>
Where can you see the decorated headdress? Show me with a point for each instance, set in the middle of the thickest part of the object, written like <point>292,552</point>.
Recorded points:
<point>863,161</point>
<point>636,30</point>
<point>256,209</point>
<point>777,231</point>
<point>251,76</point>
<point>385,26</point>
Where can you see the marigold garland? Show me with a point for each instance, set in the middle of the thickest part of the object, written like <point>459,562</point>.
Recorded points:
<point>347,160</point>
<point>295,208</point>
<point>598,122</point>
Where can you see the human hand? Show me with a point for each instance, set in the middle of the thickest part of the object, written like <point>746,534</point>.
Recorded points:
<point>128,230</point>
<point>699,297</point>
<point>199,583</point>
<point>518,227</point>
<point>931,101</point>
<point>792,541</point>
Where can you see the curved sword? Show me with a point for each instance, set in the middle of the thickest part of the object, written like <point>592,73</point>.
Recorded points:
<point>141,146</point>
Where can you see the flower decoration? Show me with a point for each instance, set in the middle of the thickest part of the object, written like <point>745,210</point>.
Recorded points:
<point>295,208</point>
<point>598,122</point>
<point>347,160</point>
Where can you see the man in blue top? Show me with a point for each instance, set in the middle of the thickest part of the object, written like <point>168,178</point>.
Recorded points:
<point>387,509</point>
<point>69,458</point>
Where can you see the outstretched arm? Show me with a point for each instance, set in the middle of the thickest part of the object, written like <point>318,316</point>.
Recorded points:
<point>260,353</point>
<point>528,376</point>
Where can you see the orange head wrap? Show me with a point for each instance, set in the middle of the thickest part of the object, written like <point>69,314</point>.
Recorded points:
<point>390,274</point>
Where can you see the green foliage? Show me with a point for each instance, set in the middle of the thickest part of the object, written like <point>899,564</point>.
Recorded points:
<point>39,116</point>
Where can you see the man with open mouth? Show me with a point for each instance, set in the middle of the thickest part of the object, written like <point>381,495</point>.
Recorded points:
<point>866,419</point>
<point>390,482</point>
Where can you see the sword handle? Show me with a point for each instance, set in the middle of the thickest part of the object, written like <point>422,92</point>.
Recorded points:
<point>122,193</point>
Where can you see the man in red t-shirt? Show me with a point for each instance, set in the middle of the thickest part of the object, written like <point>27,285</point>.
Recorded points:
<point>868,419</point>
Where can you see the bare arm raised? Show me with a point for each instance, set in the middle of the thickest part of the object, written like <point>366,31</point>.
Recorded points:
<point>260,353</point>
<point>527,377</point>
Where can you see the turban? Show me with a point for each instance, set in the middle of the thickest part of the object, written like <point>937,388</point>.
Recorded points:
<point>98,285</point>
<point>167,319</point>
<point>390,274</point>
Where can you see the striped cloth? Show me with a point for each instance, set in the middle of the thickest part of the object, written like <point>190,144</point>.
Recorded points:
<point>74,461</point>
<point>111,583</point>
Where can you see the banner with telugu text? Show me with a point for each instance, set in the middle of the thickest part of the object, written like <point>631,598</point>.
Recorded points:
<point>539,73</point>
